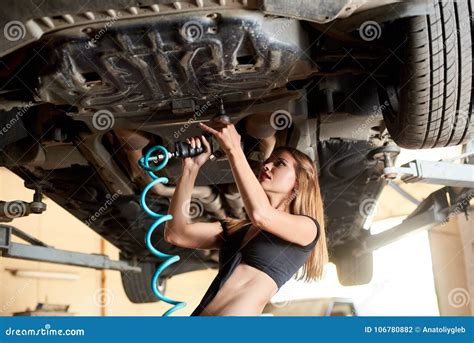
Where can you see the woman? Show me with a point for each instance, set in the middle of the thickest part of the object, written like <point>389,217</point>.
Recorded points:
<point>285,231</point>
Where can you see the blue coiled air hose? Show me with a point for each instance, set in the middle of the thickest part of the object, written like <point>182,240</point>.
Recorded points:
<point>144,163</point>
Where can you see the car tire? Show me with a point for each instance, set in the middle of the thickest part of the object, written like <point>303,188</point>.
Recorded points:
<point>137,286</point>
<point>352,270</point>
<point>434,95</point>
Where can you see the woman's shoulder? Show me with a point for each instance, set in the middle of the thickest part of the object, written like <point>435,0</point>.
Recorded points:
<point>318,227</point>
<point>314,219</point>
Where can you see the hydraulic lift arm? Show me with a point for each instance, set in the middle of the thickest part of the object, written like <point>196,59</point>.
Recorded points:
<point>39,251</point>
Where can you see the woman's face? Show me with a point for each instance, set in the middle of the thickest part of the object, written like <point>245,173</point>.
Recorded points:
<point>281,169</point>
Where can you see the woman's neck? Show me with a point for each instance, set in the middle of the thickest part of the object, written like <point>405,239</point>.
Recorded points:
<point>278,201</point>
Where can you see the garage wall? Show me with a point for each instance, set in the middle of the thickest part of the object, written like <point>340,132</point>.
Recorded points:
<point>452,250</point>
<point>88,295</point>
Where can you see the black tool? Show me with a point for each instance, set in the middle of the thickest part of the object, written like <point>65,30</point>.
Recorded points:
<point>183,149</point>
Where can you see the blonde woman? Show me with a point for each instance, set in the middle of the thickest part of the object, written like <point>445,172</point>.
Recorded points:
<point>257,256</point>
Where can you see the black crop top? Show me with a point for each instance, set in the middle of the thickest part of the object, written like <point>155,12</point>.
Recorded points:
<point>278,258</point>
<point>274,256</point>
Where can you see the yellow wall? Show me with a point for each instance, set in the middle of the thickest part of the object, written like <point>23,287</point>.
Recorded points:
<point>452,251</point>
<point>58,228</point>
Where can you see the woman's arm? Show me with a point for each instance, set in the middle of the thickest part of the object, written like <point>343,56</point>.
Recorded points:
<point>201,235</point>
<point>253,196</point>
<point>293,228</point>
<point>182,195</point>
<point>302,229</point>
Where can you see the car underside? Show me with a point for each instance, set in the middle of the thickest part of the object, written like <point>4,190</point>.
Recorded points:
<point>95,85</point>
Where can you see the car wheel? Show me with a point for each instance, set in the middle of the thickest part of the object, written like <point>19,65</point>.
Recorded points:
<point>352,270</point>
<point>434,96</point>
<point>137,286</point>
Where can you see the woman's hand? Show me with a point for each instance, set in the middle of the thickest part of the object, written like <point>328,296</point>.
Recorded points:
<point>199,160</point>
<point>225,133</point>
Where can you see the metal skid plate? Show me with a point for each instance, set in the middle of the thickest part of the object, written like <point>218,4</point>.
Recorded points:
<point>142,65</point>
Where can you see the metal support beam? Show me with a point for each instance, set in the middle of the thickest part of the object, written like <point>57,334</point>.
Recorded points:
<point>434,210</point>
<point>442,172</point>
<point>435,172</point>
<point>49,254</point>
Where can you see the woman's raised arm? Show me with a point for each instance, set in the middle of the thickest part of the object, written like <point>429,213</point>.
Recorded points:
<point>178,231</point>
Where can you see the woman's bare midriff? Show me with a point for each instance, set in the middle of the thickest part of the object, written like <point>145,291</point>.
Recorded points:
<point>245,293</point>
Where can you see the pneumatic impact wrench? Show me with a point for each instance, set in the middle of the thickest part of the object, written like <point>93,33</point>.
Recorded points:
<point>183,149</point>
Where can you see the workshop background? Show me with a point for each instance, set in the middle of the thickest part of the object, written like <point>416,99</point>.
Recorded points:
<point>426,273</point>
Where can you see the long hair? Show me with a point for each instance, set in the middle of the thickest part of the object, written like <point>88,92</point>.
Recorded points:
<point>306,200</point>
